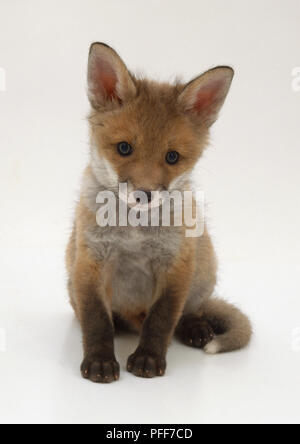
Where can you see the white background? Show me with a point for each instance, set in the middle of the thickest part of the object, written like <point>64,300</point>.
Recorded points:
<point>250,175</point>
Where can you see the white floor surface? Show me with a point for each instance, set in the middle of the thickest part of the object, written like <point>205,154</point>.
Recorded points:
<point>41,353</point>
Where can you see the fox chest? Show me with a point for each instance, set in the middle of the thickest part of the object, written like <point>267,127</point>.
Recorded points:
<point>135,259</point>
<point>133,283</point>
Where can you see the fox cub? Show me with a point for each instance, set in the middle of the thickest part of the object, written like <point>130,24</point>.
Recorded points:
<point>154,280</point>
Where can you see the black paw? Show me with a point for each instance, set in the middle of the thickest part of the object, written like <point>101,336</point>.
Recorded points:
<point>146,365</point>
<point>195,332</point>
<point>97,369</point>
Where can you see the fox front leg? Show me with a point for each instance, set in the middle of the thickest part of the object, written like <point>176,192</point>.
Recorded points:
<point>99,364</point>
<point>93,306</point>
<point>149,359</point>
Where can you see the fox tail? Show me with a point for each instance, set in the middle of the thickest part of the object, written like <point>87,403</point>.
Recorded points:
<point>232,328</point>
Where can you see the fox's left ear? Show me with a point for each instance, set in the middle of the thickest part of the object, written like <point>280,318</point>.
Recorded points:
<point>109,81</point>
<point>204,96</point>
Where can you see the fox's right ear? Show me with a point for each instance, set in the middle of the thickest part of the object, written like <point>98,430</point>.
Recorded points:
<point>109,81</point>
<point>204,96</point>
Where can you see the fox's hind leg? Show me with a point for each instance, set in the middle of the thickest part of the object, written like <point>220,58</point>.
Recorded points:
<point>217,327</point>
<point>195,331</point>
<point>210,323</point>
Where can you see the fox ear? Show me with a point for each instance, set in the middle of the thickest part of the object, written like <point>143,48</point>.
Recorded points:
<point>204,96</point>
<point>109,81</point>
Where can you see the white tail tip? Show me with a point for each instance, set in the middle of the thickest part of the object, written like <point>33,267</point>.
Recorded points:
<point>212,348</point>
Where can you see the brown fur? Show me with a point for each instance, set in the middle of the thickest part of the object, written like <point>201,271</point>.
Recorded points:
<point>155,119</point>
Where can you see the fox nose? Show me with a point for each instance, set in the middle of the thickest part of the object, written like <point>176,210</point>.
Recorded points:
<point>148,194</point>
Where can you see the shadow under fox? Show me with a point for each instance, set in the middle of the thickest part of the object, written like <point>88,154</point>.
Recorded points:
<point>155,281</point>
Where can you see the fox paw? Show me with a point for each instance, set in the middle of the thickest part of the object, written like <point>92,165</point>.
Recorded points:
<point>146,366</point>
<point>100,370</point>
<point>195,332</point>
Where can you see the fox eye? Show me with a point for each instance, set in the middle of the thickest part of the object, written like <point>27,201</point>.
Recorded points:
<point>172,157</point>
<point>124,149</point>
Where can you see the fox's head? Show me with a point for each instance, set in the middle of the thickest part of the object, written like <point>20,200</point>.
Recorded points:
<point>148,134</point>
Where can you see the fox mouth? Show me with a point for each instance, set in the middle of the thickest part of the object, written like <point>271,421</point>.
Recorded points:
<point>142,200</point>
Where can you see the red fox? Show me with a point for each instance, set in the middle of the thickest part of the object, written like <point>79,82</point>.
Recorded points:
<point>154,280</point>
